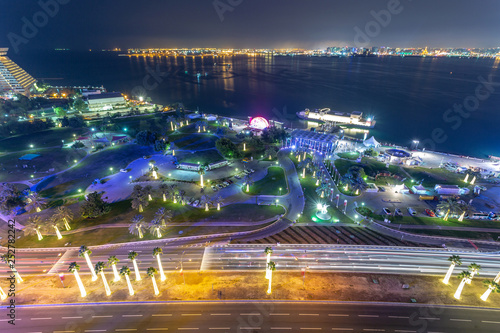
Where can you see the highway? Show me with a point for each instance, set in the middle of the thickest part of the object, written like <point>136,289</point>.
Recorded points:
<point>324,258</point>
<point>251,316</point>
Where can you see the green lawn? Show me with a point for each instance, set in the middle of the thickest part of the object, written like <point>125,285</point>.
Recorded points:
<point>95,166</point>
<point>206,156</point>
<point>50,158</point>
<point>370,165</point>
<point>435,176</point>
<point>270,184</point>
<point>42,139</point>
<point>349,155</point>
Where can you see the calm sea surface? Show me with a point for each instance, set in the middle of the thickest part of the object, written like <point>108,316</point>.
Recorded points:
<point>407,96</point>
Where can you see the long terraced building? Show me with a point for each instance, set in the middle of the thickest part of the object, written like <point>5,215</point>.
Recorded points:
<point>13,79</point>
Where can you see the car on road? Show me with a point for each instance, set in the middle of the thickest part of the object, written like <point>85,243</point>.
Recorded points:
<point>412,211</point>
<point>381,189</point>
<point>386,211</point>
<point>398,212</point>
<point>430,212</point>
<point>123,170</point>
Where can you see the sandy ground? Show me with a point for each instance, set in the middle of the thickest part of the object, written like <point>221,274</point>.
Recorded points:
<point>286,286</point>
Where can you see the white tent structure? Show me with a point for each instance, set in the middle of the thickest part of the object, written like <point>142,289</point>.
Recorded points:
<point>371,142</point>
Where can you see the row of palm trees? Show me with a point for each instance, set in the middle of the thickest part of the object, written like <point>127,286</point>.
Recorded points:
<point>142,195</point>
<point>467,276</point>
<point>125,271</point>
<point>36,226</point>
<point>156,226</point>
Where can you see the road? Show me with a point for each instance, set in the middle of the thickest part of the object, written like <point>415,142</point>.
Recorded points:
<point>320,258</point>
<point>248,316</point>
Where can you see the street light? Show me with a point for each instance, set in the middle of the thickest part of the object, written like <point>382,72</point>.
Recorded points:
<point>416,142</point>
<point>277,202</point>
<point>280,190</point>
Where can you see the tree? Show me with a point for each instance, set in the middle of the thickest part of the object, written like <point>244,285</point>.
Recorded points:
<point>271,266</point>
<point>146,138</point>
<point>132,255</point>
<point>94,206</point>
<point>76,122</point>
<point>451,207</point>
<point>53,222</point>
<point>85,252</point>
<point>79,105</point>
<point>148,191</point>
<point>34,226</point>
<point>125,271</point>
<point>271,153</point>
<point>493,286</point>
<point>474,269</point>
<point>112,261</point>
<point>227,148</point>
<point>99,269</point>
<point>165,216</point>
<point>248,181</point>
<point>157,251</point>
<point>201,172</point>
<point>156,227</point>
<point>163,188</point>
<point>151,273</point>
<point>60,112</point>
<point>137,226</point>
<point>139,198</point>
<point>34,202</point>
<point>74,268</point>
<point>10,198</point>
<point>160,145</point>
<point>205,200</point>
<point>455,261</point>
<point>64,213</point>
<point>218,200</point>
<point>466,278</point>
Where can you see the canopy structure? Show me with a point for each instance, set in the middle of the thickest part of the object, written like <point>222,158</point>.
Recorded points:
<point>371,142</point>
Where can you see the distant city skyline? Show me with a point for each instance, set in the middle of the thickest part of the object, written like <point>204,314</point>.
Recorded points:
<point>248,24</point>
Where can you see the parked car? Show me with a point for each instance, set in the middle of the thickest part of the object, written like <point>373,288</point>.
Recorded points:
<point>430,213</point>
<point>220,186</point>
<point>412,211</point>
<point>225,184</point>
<point>123,170</point>
<point>386,211</point>
<point>381,189</point>
<point>398,212</point>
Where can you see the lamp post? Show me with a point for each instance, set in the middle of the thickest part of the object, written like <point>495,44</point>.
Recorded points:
<point>416,142</point>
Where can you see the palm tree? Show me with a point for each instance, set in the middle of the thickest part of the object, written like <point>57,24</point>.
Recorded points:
<point>74,268</point>
<point>137,225</point>
<point>248,182</point>
<point>151,273</point>
<point>85,252</point>
<point>270,267</point>
<point>125,271</point>
<point>99,269</point>
<point>34,226</point>
<point>268,251</point>
<point>322,189</point>
<point>493,286</point>
<point>139,198</point>
<point>163,188</point>
<point>201,172</point>
<point>205,200</point>
<point>34,202</point>
<point>112,261</point>
<point>219,201</point>
<point>156,227</point>
<point>10,261</point>
<point>165,216</point>
<point>132,255</point>
<point>455,261</point>
<point>466,277</point>
<point>154,168</point>
<point>148,190</point>
<point>64,214</point>
<point>451,207</point>
<point>53,222</point>
<point>474,269</point>
<point>201,125</point>
<point>156,253</point>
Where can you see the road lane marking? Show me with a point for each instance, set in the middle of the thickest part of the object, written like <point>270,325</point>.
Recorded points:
<point>342,329</point>
<point>89,331</point>
<point>220,314</point>
<point>308,314</point>
<point>162,315</point>
<point>337,315</point>
<point>102,316</point>
<point>133,315</point>
<point>311,328</point>
<point>429,318</point>
<point>249,328</point>
<point>77,317</point>
<point>125,329</point>
<point>369,316</point>
<point>279,314</point>
<point>250,314</point>
<point>156,329</point>
<point>63,331</point>
<point>399,317</point>
<point>490,322</point>
<point>190,314</point>
<point>373,330</point>
<point>453,319</point>
<point>404,331</point>
<point>187,328</point>
<point>41,318</point>
<point>281,328</point>
<point>219,328</point>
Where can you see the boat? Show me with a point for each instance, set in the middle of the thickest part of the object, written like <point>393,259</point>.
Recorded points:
<point>352,119</point>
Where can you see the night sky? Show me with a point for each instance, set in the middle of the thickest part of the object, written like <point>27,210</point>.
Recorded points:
<point>249,23</point>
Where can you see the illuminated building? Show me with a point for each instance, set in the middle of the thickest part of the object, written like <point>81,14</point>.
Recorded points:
<point>13,79</point>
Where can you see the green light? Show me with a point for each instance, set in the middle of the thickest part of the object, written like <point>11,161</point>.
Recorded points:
<point>314,219</point>
<point>79,190</point>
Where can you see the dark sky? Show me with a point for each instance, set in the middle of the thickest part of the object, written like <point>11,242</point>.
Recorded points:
<point>249,23</point>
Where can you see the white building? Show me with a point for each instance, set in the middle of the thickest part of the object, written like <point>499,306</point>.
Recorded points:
<point>447,189</point>
<point>106,101</point>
